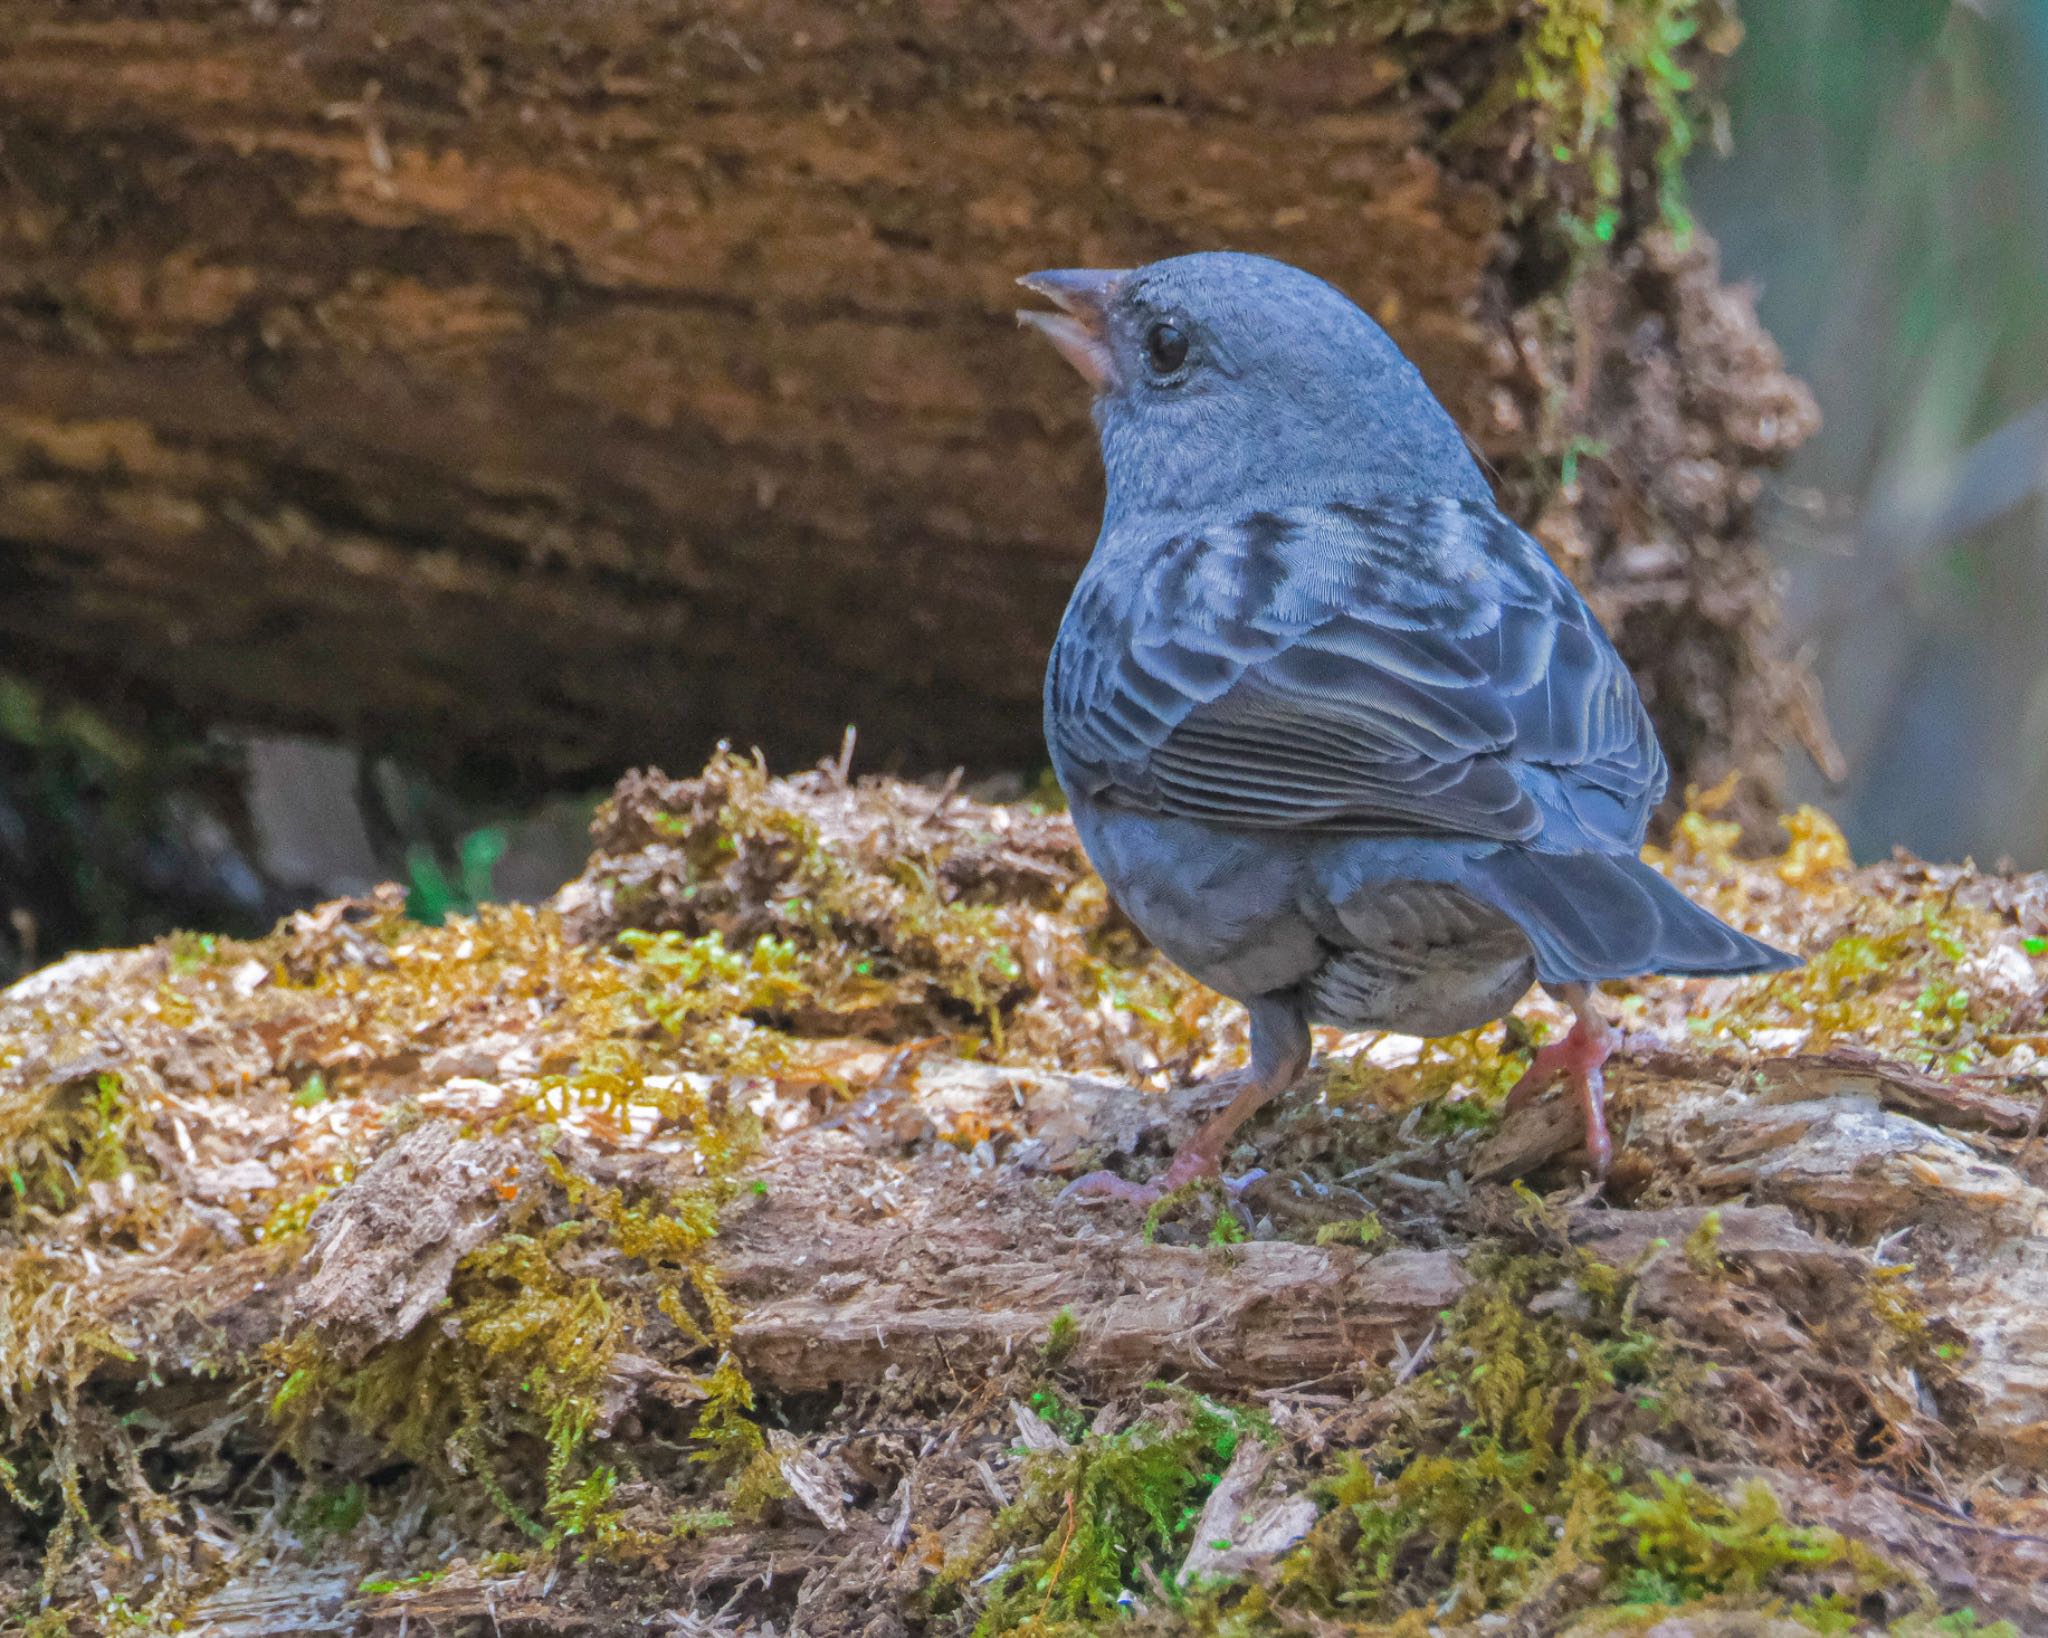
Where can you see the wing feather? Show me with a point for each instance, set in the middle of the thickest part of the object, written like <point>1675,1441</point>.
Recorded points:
<point>1419,667</point>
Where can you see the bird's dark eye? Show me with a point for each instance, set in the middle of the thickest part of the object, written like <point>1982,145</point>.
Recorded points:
<point>1166,348</point>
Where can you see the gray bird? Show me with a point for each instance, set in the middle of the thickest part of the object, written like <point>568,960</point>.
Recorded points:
<point>1340,738</point>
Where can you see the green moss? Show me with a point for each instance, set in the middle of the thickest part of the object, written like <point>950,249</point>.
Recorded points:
<point>1356,1231</point>
<point>686,1523</point>
<point>1851,990</point>
<point>1447,1117</point>
<point>1702,1247</point>
<point>670,1234</point>
<point>1093,1519</point>
<point>331,1512</point>
<point>1067,1417</point>
<point>520,1357</point>
<point>1570,71</point>
<point>829,938</point>
<point>1581,60</point>
<point>293,1210</point>
<point>1461,1078</point>
<point>584,1509</point>
<point>191,951</point>
<point>379,1586</point>
<point>761,928</point>
<point>501,1396</point>
<point>1684,1542</point>
<point>756,1486</point>
<point>1511,1469</point>
<point>1170,1205</point>
<point>504,1390</point>
<point>1497,1481</point>
<point>68,1136</point>
<point>698,979</point>
<point>1062,1337</point>
<point>727,1436</point>
<point>1899,970</point>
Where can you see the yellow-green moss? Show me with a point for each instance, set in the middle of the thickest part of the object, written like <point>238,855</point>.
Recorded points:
<point>70,1135</point>
<point>1702,1247</point>
<point>1897,972</point>
<point>1582,58</point>
<point>1508,1466</point>
<point>1683,1542</point>
<point>522,1351</point>
<point>843,938</point>
<point>727,1435</point>
<point>1062,1337</point>
<point>1513,1469</point>
<point>1354,1231</point>
<point>1503,1474</point>
<point>504,1389</point>
<point>1464,1076</point>
<point>1570,68</point>
<point>763,927</point>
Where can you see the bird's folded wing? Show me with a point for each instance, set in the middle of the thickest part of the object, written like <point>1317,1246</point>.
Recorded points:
<point>1411,668</point>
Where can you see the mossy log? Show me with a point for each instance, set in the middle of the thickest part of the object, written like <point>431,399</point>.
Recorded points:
<point>688,1254</point>
<point>538,388</point>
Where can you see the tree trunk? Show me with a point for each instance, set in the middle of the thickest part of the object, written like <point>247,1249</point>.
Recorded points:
<point>535,389</point>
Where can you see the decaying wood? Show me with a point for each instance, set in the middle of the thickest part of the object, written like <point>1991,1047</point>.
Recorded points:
<point>957,1277</point>
<point>1999,1300</point>
<point>1866,1169</point>
<point>1264,1315</point>
<point>1840,1253</point>
<point>309,1602</point>
<point>543,388</point>
<point>1958,1553</point>
<point>1961,1102</point>
<point>1709,1624</point>
<point>1239,1529</point>
<point>385,1247</point>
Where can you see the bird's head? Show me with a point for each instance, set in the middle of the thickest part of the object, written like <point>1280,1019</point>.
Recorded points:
<point>1222,378</point>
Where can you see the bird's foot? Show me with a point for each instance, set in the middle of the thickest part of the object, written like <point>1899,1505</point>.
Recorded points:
<point>1189,1166</point>
<point>1108,1186</point>
<point>1578,1058</point>
<point>1280,1051</point>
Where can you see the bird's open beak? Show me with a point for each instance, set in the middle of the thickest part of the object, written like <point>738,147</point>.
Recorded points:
<point>1080,330</point>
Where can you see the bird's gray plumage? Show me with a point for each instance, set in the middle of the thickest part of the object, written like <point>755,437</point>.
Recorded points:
<point>1404,667</point>
<point>1331,725</point>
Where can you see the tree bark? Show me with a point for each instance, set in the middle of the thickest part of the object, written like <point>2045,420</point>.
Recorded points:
<point>534,389</point>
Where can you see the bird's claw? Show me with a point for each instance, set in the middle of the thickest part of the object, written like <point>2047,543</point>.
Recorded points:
<point>1577,1060</point>
<point>1108,1186</point>
<point>1183,1171</point>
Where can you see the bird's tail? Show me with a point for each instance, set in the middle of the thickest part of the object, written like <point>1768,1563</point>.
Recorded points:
<point>1593,916</point>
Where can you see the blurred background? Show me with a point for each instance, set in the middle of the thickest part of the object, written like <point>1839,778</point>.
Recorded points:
<point>1877,173</point>
<point>1882,177</point>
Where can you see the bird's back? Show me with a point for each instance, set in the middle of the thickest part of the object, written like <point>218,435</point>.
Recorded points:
<point>1400,668</point>
<point>1399,734</point>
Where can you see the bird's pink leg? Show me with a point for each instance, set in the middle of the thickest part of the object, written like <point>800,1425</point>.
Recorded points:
<point>1579,1057</point>
<point>1280,1052</point>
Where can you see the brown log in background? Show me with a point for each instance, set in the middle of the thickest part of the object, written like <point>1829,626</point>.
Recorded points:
<point>538,389</point>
